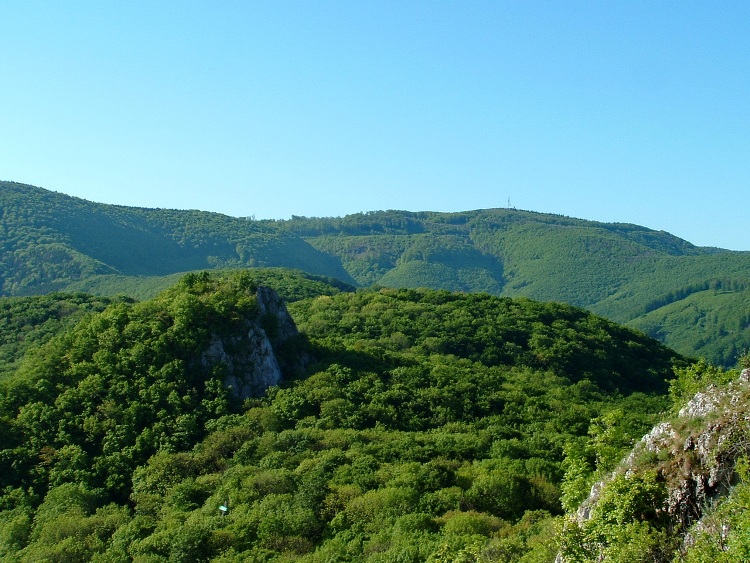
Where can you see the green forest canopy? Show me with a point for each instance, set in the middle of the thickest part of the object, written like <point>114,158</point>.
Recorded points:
<point>428,425</point>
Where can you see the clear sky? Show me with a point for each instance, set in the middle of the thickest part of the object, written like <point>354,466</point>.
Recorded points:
<point>627,111</point>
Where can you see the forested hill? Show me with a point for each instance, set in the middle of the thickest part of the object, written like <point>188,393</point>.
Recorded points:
<point>689,297</point>
<point>422,425</point>
<point>50,240</point>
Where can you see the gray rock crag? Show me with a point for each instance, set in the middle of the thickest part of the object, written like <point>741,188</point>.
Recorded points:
<point>698,451</point>
<point>249,360</point>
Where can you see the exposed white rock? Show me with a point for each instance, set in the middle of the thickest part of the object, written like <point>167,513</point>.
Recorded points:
<point>706,456</point>
<point>249,360</point>
<point>701,404</point>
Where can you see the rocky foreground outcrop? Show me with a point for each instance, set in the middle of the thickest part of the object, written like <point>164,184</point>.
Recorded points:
<point>694,454</point>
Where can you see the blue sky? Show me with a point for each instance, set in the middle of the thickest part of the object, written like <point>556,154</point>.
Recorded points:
<point>635,112</point>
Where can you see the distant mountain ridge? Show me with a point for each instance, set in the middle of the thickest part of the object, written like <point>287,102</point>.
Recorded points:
<point>631,274</point>
<point>68,238</point>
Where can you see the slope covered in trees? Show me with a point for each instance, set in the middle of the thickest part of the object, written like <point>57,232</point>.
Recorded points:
<point>50,240</point>
<point>26,322</point>
<point>627,273</point>
<point>428,426</point>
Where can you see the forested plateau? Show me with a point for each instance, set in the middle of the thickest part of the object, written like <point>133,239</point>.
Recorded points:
<point>691,298</point>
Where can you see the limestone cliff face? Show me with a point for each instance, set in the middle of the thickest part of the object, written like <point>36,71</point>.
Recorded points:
<point>695,454</point>
<point>250,360</point>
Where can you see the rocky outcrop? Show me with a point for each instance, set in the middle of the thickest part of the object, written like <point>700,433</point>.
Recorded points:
<point>278,322</point>
<point>695,454</point>
<point>249,360</point>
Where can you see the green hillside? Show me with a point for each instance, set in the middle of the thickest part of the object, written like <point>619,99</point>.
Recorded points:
<point>292,285</point>
<point>27,322</point>
<point>630,274</point>
<point>715,323</point>
<point>50,240</point>
<point>429,426</point>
